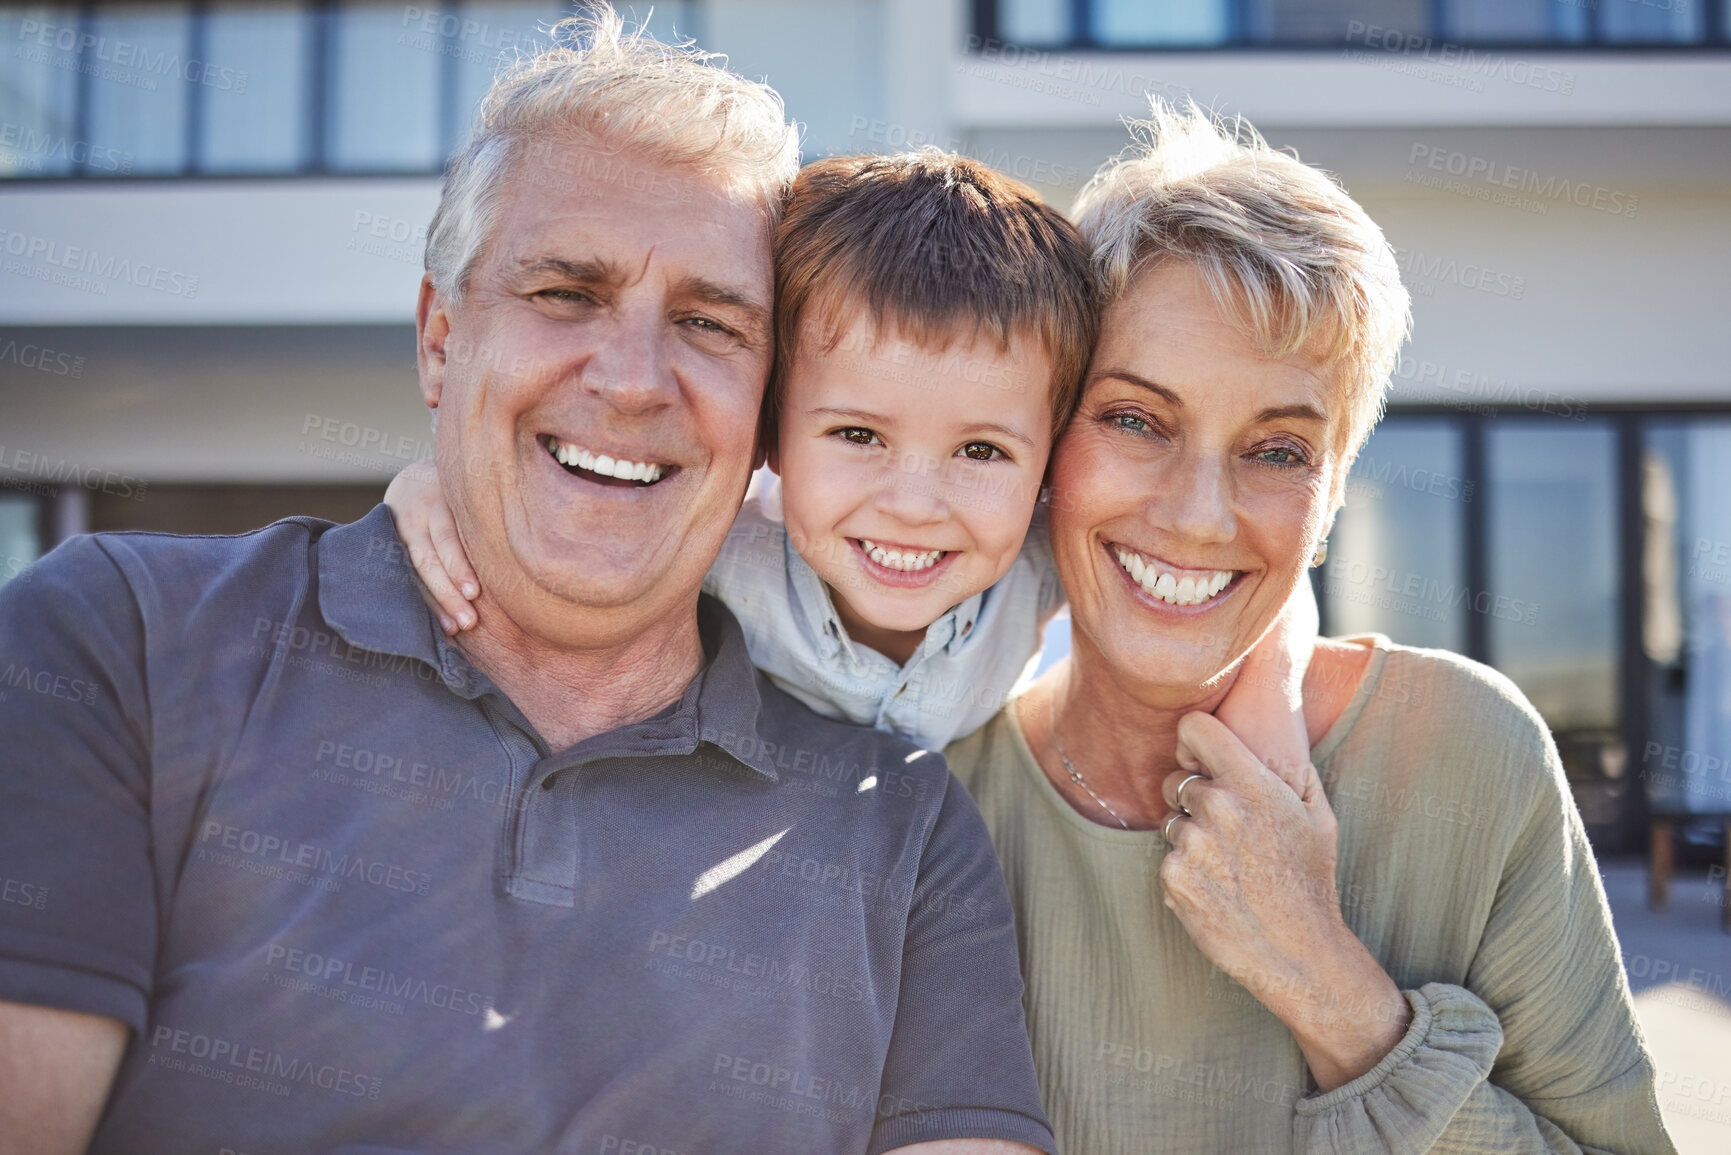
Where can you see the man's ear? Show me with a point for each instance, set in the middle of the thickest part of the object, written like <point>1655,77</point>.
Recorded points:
<point>432,331</point>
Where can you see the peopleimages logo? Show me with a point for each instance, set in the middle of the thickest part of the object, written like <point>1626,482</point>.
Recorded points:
<point>77,259</point>
<point>125,55</point>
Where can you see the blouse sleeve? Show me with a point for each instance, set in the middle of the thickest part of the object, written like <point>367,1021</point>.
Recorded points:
<point>1539,1050</point>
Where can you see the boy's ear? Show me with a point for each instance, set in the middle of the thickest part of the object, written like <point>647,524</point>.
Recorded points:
<point>432,331</point>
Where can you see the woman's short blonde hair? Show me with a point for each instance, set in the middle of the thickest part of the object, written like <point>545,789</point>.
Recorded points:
<point>599,90</point>
<point>1289,257</point>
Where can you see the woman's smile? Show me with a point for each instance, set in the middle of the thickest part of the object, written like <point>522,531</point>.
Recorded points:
<point>1174,585</point>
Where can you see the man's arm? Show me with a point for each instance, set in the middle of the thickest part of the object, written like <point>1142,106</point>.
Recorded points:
<point>57,1067</point>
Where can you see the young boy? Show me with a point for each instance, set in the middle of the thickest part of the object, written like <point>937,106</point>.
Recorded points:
<point>934,319</point>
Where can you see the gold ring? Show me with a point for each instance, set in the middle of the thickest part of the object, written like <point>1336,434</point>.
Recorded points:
<point>1178,795</point>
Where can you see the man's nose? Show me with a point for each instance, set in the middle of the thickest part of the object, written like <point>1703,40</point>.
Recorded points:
<point>630,368</point>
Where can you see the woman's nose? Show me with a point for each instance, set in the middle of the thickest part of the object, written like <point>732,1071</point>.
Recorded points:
<point>1197,505</point>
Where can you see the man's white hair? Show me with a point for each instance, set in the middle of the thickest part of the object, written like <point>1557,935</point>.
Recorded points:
<point>603,88</point>
<point>1286,254</point>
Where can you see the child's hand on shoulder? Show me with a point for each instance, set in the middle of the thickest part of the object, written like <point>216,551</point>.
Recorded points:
<point>429,532</point>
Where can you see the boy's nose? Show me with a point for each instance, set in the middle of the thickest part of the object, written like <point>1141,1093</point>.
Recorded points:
<point>912,499</point>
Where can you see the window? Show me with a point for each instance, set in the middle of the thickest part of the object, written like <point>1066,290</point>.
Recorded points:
<point>1519,21</point>
<point>1396,557</point>
<point>1552,597</point>
<point>1324,24</point>
<point>1652,21</point>
<point>38,125</point>
<point>1035,21</point>
<point>255,88</point>
<point>1685,495</point>
<point>489,37</point>
<point>1173,22</point>
<point>384,102</point>
<point>134,81</point>
<point>19,542</point>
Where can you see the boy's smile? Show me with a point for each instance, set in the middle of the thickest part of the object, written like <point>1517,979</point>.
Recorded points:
<point>910,469</point>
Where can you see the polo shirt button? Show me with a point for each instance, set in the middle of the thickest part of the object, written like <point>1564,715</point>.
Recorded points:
<point>547,782</point>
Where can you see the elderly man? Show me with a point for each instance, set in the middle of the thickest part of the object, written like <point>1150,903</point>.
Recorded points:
<point>287,871</point>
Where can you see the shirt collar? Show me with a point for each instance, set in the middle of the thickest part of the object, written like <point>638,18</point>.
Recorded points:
<point>369,595</point>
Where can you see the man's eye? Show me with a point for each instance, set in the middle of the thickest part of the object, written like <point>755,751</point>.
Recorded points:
<point>983,451</point>
<point>707,325</point>
<point>564,296</point>
<point>857,435</point>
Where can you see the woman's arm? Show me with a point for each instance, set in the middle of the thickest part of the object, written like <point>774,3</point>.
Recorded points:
<point>1545,1003</point>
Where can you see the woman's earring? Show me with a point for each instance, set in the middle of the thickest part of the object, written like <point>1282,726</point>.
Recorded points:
<point>1321,554</point>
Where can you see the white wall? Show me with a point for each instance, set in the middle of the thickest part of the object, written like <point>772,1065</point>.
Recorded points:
<point>213,252</point>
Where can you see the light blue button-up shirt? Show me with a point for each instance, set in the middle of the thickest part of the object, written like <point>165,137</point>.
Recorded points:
<point>973,657</point>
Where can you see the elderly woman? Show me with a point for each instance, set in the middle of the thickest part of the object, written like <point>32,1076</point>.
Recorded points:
<point>1413,952</point>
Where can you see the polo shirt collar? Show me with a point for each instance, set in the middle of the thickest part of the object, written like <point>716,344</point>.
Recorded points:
<point>369,595</point>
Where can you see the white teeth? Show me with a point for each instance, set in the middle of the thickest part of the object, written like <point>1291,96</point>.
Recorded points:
<point>1190,590</point>
<point>566,453</point>
<point>909,561</point>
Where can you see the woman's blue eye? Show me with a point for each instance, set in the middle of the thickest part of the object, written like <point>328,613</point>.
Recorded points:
<point>1131,422</point>
<point>1280,455</point>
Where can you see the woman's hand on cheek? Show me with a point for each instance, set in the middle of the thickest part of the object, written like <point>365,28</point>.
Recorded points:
<point>1251,875</point>
<point>429,534</point>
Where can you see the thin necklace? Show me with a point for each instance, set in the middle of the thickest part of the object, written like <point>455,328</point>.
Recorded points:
<point>1075,774</point>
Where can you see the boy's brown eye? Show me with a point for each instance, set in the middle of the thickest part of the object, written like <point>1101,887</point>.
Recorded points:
<point>981,450</point>
<point>858,435</point>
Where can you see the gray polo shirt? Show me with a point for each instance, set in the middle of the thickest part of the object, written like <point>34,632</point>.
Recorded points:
<point>255,806</point>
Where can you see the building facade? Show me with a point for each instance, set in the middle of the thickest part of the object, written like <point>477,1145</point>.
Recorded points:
<point>212,217</point>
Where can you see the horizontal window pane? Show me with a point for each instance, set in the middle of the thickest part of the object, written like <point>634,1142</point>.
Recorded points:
<point>1161,22</point>
<point>137,87</point>
<point>1396,564</point>
<point>37,92</point>
<point>259,58</point>
<point>384,103</point>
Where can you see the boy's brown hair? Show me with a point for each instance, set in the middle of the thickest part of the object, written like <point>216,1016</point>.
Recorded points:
<point>929,242</point>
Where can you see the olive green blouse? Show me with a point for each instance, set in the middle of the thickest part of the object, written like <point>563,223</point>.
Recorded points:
<point>1464,869</point>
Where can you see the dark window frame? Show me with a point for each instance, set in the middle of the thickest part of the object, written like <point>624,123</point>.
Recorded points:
<point>1629,422</point>
<point>314,112</point>
<point>986,28</point>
